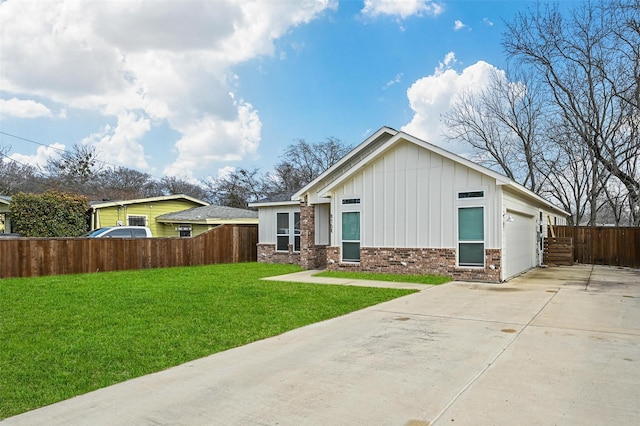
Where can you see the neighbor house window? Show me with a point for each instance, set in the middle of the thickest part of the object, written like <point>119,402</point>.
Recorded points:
<point>471,236</point>
<point>137,220</point>
<point>184,231</point>
<point>351,236</point>
<point>287,231</point>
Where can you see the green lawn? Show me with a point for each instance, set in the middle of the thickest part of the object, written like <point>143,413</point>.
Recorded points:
<point>401,278</point>
<point>67,335</point>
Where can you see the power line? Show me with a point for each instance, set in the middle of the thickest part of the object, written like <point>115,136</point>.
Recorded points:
<point>115,166</point>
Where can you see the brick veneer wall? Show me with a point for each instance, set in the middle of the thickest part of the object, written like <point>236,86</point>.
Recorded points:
<point>417,261</point>
<point>267,254</point>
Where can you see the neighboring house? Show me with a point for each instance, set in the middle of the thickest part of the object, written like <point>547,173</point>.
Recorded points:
<point>5,219</point>
<point>141,212</point>
<point>398,204</point>
<point>194,221</point>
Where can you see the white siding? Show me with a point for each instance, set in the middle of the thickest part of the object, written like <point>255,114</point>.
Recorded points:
<point>322,213</point>
<point>267,222</point>
<point>409,199</point>
<point>520,209</point>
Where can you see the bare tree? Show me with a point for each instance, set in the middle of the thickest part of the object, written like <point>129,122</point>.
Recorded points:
<point>502,123</point>
<point>239,188</point>
<point>171,185</point>
<point>302,162</point>
<point>583,66</point>
<point>75,170</point>
<point>16,177</point>
<point>121,183</point>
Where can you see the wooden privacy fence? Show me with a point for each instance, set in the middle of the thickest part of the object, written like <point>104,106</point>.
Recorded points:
<point>558,251</point>
<point>619,246</point>
<point>30,257</point>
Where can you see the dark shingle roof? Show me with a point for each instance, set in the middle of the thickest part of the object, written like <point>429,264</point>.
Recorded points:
<point>277,198</point>
<point>210,212</point>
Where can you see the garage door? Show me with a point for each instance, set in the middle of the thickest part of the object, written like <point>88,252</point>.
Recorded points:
<point>520,246</point>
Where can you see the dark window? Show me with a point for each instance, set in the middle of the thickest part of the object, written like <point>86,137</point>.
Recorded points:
<point>119,233</point>
<point>470,194</point>
<point>282,232</point>
<point>139,233</point>
<point>296,232</point>
<point>351,201</point>
<point>137,221</point>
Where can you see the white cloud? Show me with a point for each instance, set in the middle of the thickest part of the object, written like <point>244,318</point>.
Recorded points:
<point>431,96</point>
<point>120,145</point>
<point>402,8</point>
<point>42,155</point>
<point>487,22</point>
<point>146,64</point>
<point>23,109</point>
<point>210,140</point>
<point>397,79</point>
<point>458,25</point>
<point>226,171</point>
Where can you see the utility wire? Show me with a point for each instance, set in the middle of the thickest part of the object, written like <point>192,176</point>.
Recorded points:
<point>115,166</point>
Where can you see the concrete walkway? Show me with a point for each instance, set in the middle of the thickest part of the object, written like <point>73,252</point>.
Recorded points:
<point>556,346</point>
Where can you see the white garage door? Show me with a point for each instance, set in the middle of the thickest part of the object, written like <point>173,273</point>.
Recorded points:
<point>520,249</point>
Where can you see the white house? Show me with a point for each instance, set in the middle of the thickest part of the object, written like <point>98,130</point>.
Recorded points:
<point>398,204</point>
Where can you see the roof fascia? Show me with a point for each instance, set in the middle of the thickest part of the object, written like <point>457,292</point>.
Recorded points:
<point>148,200</point>
<point>516,187</point>
<point>275,204</point>
<point>298,195</point>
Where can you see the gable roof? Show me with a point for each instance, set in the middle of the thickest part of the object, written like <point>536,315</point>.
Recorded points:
<point>5,199</point>
<point>346,163</point>
<point>211,214</point>
<point>103,204</point>
<point>283,198</point>
<point>384,140</point>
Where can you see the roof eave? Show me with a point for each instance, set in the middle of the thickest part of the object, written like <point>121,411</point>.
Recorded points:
<point>298,195</point>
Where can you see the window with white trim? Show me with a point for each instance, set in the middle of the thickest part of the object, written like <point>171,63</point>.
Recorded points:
<point>471,236</point>
<point>136,220</point>
<point>287,231</point>
<point>184,231</point>
<point>351,236</point>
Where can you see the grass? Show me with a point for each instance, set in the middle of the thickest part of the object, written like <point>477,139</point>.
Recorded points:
<point>419,279</point>
<point>67,335</point>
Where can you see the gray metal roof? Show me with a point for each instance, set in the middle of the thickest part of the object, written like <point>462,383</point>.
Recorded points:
<point>210,212</point>
<point>5,199</point>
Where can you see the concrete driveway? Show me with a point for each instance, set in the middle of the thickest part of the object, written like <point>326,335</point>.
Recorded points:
<point>556,346</point>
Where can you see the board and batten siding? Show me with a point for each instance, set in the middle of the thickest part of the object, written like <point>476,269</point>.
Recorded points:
<point>409,200</point>
<point>267,221</point>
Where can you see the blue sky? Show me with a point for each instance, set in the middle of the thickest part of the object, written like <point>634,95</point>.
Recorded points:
<point>195,88</point>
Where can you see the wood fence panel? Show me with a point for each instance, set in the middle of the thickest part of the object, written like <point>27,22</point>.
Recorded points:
<point>29,257</point>
<point>615,246</point>
<point>558,251</point>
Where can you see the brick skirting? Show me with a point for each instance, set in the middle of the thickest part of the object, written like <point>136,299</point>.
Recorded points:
<point>417,261</point>
<point>267,254</point>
